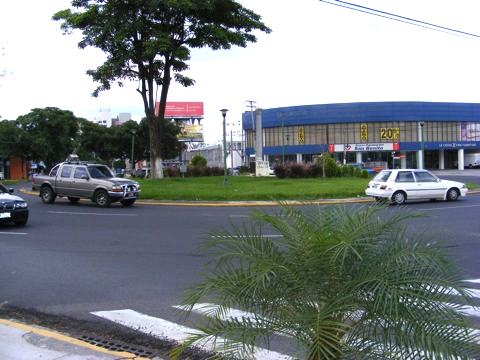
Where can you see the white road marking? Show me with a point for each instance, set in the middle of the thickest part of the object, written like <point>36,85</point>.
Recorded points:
<point>451,207</point>
<point>475,281</point>
<point>12,233</point>
<point>208,309</point>
<point>84,213</point>
<point>240,236</point>
<point>169,330</point>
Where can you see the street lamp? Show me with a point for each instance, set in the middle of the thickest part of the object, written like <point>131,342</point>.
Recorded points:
<point>133,132</point>
<point>224,114</point>
<point>422,157</point>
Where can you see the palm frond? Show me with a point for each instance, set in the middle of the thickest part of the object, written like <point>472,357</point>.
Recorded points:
<point>339,280</point>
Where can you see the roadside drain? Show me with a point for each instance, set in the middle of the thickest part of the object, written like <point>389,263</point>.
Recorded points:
<point>118,346</point>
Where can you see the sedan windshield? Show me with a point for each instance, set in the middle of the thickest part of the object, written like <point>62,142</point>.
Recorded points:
<point>99,171</point>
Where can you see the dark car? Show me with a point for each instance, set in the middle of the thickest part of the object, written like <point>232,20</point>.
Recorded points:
<point>13,209</point>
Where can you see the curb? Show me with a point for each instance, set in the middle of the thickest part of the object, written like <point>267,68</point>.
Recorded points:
<point>46,333</point>
<point>248,203</point>
<point>235,203</point>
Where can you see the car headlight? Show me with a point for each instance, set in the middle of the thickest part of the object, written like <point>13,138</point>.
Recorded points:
<point>20,205</point>
<point>117,188</point>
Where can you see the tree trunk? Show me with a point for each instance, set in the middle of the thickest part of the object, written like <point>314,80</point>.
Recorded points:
<point>155,148</point>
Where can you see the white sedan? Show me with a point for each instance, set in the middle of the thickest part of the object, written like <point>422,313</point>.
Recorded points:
<point>401,185</point>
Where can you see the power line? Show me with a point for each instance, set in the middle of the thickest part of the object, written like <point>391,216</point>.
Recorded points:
<point>395,17</point>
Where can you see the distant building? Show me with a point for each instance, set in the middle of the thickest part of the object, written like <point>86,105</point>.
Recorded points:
<point>14,168</point>
<point>214,154</point>
<point>404,134</point>
<point>104,118</point>
<point>121,119</point>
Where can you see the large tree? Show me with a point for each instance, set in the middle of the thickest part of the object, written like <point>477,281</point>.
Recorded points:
<point>13,140</point>
<point>150,41</point>
<point>50,133</point>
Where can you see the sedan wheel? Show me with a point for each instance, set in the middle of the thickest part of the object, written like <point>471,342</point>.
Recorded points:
<point>399,197</point>
<point>452,194</point>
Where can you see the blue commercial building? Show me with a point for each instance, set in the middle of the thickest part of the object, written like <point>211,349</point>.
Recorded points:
<point>434,135</point>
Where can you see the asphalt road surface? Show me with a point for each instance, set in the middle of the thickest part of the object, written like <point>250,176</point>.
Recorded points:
<point>132,265</point>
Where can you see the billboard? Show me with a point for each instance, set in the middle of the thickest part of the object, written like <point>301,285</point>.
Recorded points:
<point>191,132</point>
<point>182,109</point>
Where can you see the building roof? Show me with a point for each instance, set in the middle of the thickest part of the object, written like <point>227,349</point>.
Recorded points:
<point>366,112</point>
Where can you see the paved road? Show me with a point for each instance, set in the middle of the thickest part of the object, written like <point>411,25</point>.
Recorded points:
<point>131,265</point>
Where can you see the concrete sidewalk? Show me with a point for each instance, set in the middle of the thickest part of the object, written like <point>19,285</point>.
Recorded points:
<point>25,342</point>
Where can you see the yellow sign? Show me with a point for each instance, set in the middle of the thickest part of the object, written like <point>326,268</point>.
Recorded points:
<point>389,133</point>
<point>191,132</point>
<point>301,135</point>
<point>364,132</point>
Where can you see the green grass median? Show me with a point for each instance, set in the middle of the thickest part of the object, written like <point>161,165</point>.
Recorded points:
<point>252,188</point>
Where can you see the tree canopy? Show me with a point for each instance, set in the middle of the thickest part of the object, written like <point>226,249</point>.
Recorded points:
<point>50,134</point>
<point>149,41</point>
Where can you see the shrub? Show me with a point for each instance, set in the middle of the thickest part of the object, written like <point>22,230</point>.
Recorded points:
<point>331,167</point>
<point>296,171</point>
<point>172,172</point>
<point>198,160</point>
<point>195,171</point>
<point>280,171</point>
<point>314,170</point>
<point>358,172</point>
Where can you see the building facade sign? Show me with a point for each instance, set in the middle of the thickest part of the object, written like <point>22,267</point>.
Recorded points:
<point>458,145</point>
<point>301,135</point>
<point>364,132</point>
<point>364,147</point>
<point>389,133</point>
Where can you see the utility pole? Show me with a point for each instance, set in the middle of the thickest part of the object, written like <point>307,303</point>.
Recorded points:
<point>252,107</point>
<point>224,114</point>
<point>231,149</point>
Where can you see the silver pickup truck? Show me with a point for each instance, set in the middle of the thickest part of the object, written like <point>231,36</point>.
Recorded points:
<point>77,179</point>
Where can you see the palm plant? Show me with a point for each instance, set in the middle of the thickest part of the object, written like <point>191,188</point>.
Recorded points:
<point>343,282</point>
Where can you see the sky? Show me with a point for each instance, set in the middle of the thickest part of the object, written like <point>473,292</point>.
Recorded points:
<point>316,54</point>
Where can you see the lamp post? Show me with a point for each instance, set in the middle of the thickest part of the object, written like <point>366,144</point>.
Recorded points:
<point>133,132</point>
<point>422,157</point>
<point>224,114</point>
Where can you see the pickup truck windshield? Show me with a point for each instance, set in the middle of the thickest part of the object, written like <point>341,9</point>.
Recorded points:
<point>99,171</point>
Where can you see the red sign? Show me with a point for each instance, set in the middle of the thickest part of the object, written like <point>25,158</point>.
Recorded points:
<point>182,109</point>
<point>396,146</point>
<point>331,148</point>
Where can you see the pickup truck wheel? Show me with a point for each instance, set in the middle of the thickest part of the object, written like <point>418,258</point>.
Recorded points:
<point>102,199</point>
<point>127,202</point>
<point>47,195</point>
<point>73,200</point>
